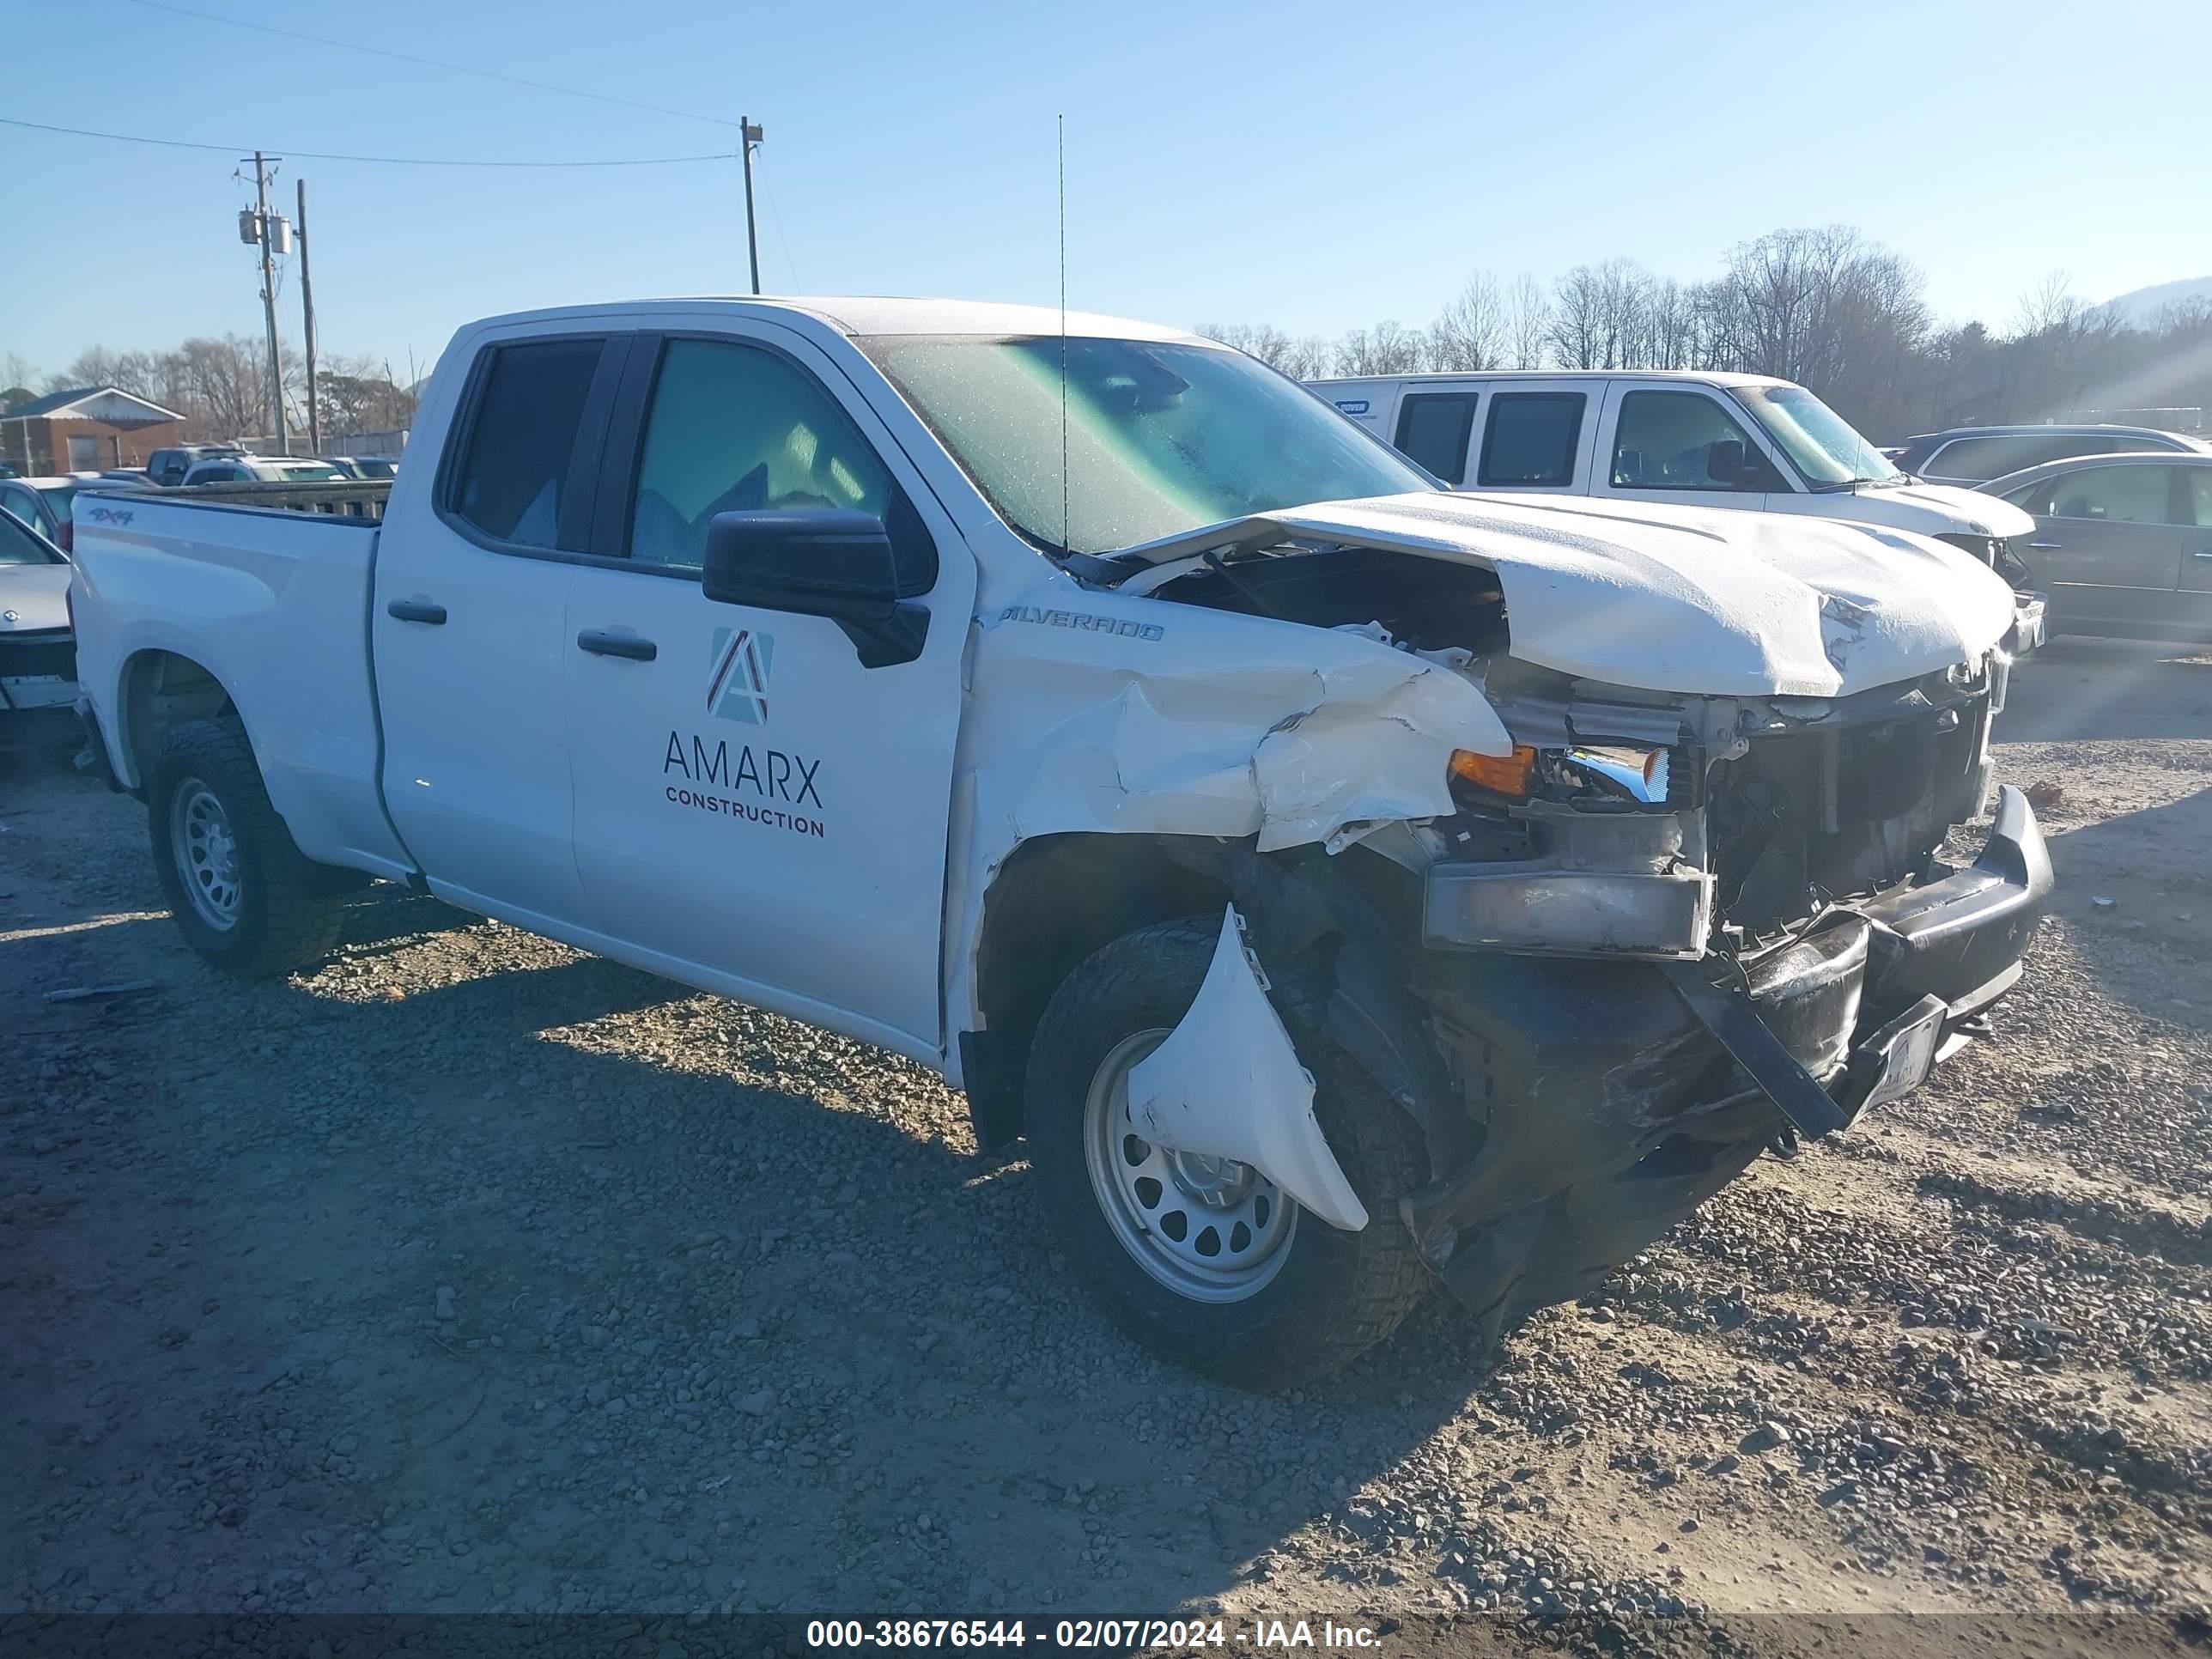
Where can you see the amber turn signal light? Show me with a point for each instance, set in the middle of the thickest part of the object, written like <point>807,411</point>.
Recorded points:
<point>1503,775</point>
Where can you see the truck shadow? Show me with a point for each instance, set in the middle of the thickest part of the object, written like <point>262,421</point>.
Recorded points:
<point>2136,890</point>
<point>715,1252</point>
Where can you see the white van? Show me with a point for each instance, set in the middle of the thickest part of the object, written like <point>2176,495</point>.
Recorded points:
<point>1697,439</point>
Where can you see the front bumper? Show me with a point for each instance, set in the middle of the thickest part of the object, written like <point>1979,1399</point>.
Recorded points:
<point>1650,1085</point>
<point>1937,957</point>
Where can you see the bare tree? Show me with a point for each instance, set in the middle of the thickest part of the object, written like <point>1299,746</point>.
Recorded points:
<point>1577,334</point>
<point>1527,322</point>
<point>1470,333</point>
<point>1388,348</point>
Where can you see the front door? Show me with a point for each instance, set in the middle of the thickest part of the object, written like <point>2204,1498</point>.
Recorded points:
<point>754,810</point>
<point>1668,444</point>
<point>2108,545</point>
<point>466,627</point>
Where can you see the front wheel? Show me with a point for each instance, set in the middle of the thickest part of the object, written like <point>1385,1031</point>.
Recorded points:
<point>247,899</point>
<point>1204,1260</point>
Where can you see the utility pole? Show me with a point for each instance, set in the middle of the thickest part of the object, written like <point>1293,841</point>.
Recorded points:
<point>307,314</point>
<point>266,229</point>
<point>752,134</point>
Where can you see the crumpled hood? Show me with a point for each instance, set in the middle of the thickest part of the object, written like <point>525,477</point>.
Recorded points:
<point>33,598</point>
<point>1708,603</point>
<point>1926,509</point>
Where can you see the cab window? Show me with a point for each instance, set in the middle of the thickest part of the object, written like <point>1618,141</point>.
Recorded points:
<point>1665,439</point>
<point>736,429</point>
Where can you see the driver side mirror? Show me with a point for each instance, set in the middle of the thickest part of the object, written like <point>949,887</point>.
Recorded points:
<point>836,563</point>
<point>1725,462</point>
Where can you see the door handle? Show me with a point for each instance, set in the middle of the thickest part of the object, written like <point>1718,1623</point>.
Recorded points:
<point>2203,553</point>
<point>2045,547</point>
<point>601,643</point>
<point>417,610</point>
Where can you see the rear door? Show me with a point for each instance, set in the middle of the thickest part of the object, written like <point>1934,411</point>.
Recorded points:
<point>1662,441</point>
<point>2108,542</point>
<point>467,623</point>
<point>1536,436</point>
<point>755,810</point>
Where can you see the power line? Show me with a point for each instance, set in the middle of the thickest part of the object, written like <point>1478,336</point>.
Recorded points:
<point>429,63</point>
<point>372,160</point>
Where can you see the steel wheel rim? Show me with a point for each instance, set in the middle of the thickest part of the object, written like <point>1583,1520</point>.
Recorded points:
<point>206,855</point>
<point>1235,1225</point>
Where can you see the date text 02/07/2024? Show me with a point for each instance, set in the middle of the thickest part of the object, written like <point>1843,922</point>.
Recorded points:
<point>1106,1635</point>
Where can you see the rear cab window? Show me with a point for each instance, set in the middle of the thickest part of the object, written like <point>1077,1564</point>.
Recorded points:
<point>515,476</point>
<point>1531,439</point>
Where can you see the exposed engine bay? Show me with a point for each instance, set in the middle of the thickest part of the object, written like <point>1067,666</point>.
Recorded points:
<point>1789,805</point>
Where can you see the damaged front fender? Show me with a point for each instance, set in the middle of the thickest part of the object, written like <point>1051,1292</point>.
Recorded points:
<point>1226,1083</point>
<point>1248,727</point>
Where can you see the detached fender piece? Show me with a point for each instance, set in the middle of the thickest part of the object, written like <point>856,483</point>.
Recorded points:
<point>1226,1083</point>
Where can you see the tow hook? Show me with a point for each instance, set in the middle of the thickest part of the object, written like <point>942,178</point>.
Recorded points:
<point>1785,1144</point>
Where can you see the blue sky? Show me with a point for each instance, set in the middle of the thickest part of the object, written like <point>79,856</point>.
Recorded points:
<point>1316,167</point>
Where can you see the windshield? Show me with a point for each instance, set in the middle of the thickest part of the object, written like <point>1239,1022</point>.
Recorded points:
<point>1826,447</point>
<point>1160,438</point>
<point>18,546</point>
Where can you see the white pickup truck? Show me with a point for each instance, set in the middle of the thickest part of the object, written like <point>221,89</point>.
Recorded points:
<point>1339,896</point>
<point>1691,437</point>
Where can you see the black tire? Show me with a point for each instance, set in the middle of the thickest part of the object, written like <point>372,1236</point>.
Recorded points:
<point>287,908</point>
<point>1336,1294</point>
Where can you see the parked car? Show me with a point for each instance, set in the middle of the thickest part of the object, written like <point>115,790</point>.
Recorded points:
<point>265,469</point>
<point>42,503</point>
<point>2123,544</point>
<point>366,466</point>
<point>169,465</point>
<point>1340,896</point>
<point>1973,455</point>
<point>37,657</point>
<point>1695,439</point>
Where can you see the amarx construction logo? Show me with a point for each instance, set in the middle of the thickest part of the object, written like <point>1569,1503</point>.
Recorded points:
<point>737,688</point>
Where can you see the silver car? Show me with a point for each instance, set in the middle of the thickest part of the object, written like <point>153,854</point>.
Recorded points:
<point>38,651</point>
<point>2123,544</point>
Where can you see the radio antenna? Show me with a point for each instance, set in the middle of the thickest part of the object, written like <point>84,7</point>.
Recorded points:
<point>1064,546</point>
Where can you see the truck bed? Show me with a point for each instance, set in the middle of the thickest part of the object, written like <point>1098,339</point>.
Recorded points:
<point>272,602</point>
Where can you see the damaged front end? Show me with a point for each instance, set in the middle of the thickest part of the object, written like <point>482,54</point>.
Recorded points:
<point>1830,959</point>
<point>1657,935</point>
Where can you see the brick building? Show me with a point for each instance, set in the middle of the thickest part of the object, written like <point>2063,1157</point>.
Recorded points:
<point>84,430</point>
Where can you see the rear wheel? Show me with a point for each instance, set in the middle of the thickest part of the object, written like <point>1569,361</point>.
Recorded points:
<point>245,897</point>
<point>1204,1260</point>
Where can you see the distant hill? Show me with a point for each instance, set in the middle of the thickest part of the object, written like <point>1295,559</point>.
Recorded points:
<point>2141,306</point>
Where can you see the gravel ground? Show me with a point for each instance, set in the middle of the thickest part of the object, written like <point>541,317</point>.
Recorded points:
<point>470,1272</point>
